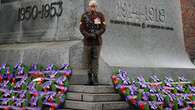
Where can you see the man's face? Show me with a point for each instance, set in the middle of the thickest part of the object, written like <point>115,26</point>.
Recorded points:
<point>92,8</point>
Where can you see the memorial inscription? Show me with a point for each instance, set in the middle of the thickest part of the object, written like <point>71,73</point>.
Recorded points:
<point>133,10</point>
<point>140,15</point>
<point>52,10</point>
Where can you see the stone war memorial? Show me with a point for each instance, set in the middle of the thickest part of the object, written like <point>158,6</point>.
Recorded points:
<point>143,37</point>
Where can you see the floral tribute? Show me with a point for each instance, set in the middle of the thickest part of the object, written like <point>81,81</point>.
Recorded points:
<point>33,87</point>
<point>155,94</point>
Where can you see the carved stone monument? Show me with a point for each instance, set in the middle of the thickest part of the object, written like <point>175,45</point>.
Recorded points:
<point>143,36</point>
<point>39,31</point>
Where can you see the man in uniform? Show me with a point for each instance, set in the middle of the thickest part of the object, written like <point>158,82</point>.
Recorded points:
<point>92,26</point>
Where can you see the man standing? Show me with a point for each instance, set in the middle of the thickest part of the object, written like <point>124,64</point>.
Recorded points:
<point>92,26</point>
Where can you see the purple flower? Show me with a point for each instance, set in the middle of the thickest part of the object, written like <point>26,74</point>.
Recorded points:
<point>31,86</point>
<point>47,84</point>
<point>192,89</point>
<point>5,83</point>
<point>49,67</point>
<point>22,94</point>
<point>3,66</point>
<point>186,97</point>
<point>169,79</point>
<point>123,75</point>
<point>160,97</point>
<point>65,66</point>
<point>180,102</point>
<point>145,96</point>
<point>60,80</point>
<point>180,88</point>
<point>168,83</point>
<point>34,67</point>
<point>182,79</point>
<point>132,89</point>
<point>152,105</point>
<point>33,101</point>
<point>19,102</point>
<point>7,93</point>
<point>155,78</point>
<point>5,101</point>
<point>18,84</point>
<point>68,72</point>
<point>53,74</point>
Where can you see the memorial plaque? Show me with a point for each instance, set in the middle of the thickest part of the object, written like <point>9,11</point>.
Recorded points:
<point>40,20</point>
<point>144,33</point>
<point>144,37</point>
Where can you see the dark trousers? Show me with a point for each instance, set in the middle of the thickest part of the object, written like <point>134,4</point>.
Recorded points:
<point>92,54</point>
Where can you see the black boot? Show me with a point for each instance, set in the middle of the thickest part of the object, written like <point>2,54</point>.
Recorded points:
<point>95,79</point>
<point>90,80</point>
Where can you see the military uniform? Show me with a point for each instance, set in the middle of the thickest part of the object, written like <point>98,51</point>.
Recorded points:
<point>92,26</point>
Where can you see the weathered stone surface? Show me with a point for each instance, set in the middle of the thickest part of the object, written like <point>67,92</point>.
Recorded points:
<point>38,53</point>
<point>141,39</point>
<point>93,97</point>
<point>92,89</point>
<point>79,77</point>
<point>144,37</point>
<point>106,72</point>
<point>57,28</point>
<point>96,105</point>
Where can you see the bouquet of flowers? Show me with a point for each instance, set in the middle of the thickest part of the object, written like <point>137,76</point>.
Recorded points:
<point>155,94</point>
<point>33,87</point>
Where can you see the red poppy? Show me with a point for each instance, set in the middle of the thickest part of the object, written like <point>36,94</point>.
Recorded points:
<point>123,89</point>
<point>1,78</point>
<point>133,101</point>
<point>141,106</point>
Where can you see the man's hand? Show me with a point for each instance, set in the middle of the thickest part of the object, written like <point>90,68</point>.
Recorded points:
<point>93,35</point>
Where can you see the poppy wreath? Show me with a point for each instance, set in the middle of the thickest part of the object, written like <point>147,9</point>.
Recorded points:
<point>153,93</point>
<point>33,87</point>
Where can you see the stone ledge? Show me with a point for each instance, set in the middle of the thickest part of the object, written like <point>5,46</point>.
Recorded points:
<point>93,97</point>
<point>96,105</point>
<point>100,89</point>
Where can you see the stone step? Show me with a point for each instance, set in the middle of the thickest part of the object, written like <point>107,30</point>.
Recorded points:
<point>81,105</point>
<point>93,97</point>
<point>98,89</point>
<point>66,109</point>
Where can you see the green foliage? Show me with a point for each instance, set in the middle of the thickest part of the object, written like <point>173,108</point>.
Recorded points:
<point>24,87</point>
<point>38,87</point>
<point>53,87</point>
<point>167,101</point>
<point>57,100</point>
<point>147,107</point>
<point>115,70</point>
<point>25,103</point>
<point>40,102</point>
<point>26,69</point>
<point>175,105</point>
<point>40,67</point>
<point>139,96</point>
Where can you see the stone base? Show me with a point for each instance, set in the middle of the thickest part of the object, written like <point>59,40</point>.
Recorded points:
<point>71,52</point>
<point>102,97</point>
<point>106,71</point>
<point>40,53</point>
